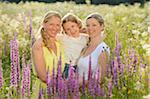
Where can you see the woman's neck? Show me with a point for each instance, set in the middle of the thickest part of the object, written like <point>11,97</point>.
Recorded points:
<point>96,39</point>
<point>52,39</point>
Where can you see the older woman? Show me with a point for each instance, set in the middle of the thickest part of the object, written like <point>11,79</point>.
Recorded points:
<point>97,50</point>
<point>47,55</point>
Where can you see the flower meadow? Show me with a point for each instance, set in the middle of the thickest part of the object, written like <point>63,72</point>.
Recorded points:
<point>128,36</point>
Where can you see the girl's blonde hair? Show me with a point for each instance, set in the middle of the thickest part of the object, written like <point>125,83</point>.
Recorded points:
<point>47,16</point>
<point>72,18</point>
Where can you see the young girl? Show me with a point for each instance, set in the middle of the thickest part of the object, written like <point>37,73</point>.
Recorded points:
<point>72,40</point>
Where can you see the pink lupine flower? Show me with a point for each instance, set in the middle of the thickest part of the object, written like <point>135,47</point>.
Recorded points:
<point>91,84</point>
<point>15,66</point>
<point>26,73</point>
<point>1,76</point>
<point>26,81</point>
<point>59,73</point>
<point>90,69</point>
<point>59,65</point>
<point>76,87</point>
<point>53,79</point>
<point>71,79</point>
<point>65,91</point>
<point>115,71</point>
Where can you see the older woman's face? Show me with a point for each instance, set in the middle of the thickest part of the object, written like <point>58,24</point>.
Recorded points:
<point>93,27</point>
<point>53,26</point>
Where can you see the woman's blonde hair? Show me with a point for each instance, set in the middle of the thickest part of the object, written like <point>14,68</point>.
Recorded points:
<point>96,16</point>
<point>72,18</point>
<point>47,16</point>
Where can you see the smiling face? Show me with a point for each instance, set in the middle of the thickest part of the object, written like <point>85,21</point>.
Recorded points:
<point>52,26</point>
<point>71,28</point>
<point>94,28</point>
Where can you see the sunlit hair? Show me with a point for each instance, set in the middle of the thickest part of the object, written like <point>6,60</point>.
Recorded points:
<point>96,16</point>
<point>47,16</point>
<point>70,17</point>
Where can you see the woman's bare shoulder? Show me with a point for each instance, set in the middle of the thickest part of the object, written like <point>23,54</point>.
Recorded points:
<point>38,44</point>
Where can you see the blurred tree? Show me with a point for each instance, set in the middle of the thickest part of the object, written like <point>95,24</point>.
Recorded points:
<point>80,1</point>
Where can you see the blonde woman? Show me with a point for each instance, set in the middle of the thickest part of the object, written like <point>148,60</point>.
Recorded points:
<point>48,52</point>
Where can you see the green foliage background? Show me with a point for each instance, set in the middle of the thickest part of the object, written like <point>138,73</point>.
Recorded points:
<point>131,22</point>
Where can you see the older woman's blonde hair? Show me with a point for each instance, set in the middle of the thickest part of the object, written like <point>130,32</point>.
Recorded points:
<point>41,31</point>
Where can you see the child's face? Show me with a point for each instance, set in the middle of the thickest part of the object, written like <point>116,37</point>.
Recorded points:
<point>71,28</point>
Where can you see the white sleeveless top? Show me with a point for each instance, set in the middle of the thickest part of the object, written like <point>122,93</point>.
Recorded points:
<point>72,46</point>
<point>83,62</point>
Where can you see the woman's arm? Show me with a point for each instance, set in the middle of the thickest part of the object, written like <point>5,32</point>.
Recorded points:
<point>103,62</point>
<point>38,60</point>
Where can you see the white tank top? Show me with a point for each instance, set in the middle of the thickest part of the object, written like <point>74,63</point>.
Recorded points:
<point>83,62</point>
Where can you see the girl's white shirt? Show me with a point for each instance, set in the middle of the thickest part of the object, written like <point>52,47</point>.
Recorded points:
<point>73,46</point>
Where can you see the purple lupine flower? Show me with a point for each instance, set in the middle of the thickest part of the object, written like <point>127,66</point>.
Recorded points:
<point>98,90</point>
<point>115,71</point>
<point>90,69</point>
<point>118,46</point>
<point>71,79</point>
<point>1,75</point>
<point>40,93</point>
<point>59,73</point>
<point>61,87</point>
<point>15,66</point>
<point>26,81</point>
<point>65,96</point>
<point>76,87</point>
<point>53,79</point>
<point>135,63</point>
<point>48,82</point>
<point>26,73</point>
<point>59,65</point>
<point>91,88</point>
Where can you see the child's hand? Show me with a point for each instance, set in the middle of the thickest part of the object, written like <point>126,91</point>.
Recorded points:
<point>83,30</point>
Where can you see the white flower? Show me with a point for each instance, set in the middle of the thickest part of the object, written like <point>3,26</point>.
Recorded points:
<point>146,97</point>
<point>149,29</point>
<point>144,34</point>
<point>138,86</point>
<point>135,32</point>
<point>14,23</point>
